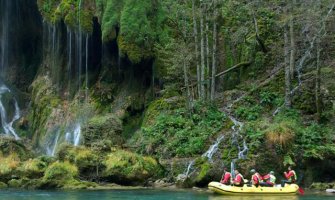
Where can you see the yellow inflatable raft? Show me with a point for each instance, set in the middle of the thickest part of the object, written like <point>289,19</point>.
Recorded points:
<point>252,190</point>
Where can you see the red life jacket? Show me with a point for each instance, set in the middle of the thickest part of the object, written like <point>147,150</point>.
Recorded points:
<point>226,178</point>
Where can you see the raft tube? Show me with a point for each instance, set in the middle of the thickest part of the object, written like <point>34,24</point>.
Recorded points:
<point>289,189</point>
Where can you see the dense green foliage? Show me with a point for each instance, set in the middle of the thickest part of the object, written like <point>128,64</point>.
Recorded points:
<point>176,132</point>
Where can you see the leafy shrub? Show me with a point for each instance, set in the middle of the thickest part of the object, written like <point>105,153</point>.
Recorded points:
<point>249,113</point>
<point>267,98</point>
<point>177,132</point>
<point>60,171</point>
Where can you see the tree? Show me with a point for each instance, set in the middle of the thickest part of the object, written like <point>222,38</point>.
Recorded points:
<point>292,39</point>
<point>287,68</point>
<point>214,51</point>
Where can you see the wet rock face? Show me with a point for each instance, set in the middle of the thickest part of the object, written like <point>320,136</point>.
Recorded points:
<point>202,173</point>
<point>103,131</point>
<point>20,45</point>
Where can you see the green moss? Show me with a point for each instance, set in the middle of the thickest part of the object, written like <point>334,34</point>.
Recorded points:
<point>128,168</point>
<point>32,168</point>
<point>14,183</point>
<point>82,157</point>
<point>105,127</point>
<point>154,109</point>
<point>53,11</point>
<point>3,185</point>
<point>44,100</point>
<point>9,146</point>
<point>322,186</point>
<point>8,165</point>
<point>61,171</point>
<point>204,169</point>
<point>134,52</point>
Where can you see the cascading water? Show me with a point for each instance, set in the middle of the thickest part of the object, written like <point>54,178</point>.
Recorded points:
<point>5,41</point>
<point>213,148</point>
<point>52,147</point>
<point>8,126</point>
<point>73,136</point>
<point>242,152</point>
<point>208,154</point>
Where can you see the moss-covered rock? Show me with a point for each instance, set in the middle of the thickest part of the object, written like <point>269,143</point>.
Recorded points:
<point>75,14</point>
<point>322,186</point>
<point>60,174</point>
<point>19,147</point>
<point>8,166</point>
<point>86,160</point>
<point>128,168</point>
<point>3,185</point>
<point>206,171</point>
<point>33,168</point>
<point>15,183</point>
<point>102,128</point>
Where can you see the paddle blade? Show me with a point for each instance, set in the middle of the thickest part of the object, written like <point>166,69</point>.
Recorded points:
<point>301,191</point>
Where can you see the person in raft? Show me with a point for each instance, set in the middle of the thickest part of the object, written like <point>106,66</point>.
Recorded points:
<point>269,180</point>
<point>291,177</point>
<point>256,178</point>
<point>239,180</point>
<point>226,178</point>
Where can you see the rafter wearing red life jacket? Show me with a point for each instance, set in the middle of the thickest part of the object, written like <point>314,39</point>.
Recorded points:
<point>239,180</point>
<point>291,176</point>
<point>226,179</point>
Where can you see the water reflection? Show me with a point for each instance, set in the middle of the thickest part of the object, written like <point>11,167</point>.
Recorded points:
<point>217,197</point>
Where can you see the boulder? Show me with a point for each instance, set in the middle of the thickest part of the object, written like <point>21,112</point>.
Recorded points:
<point>3,185</point>
<point>102,132</point>
<point>330,190</point>
<point>127,168</point>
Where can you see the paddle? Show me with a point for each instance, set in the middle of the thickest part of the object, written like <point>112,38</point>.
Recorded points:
<point>301,191</point>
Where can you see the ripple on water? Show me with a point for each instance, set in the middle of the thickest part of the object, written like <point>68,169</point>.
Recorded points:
<point>143,195</point>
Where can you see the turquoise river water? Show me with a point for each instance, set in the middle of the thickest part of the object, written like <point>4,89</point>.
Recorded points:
<point>142,195</point>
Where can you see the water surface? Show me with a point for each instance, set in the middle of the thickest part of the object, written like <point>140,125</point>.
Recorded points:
<point>143,195</point>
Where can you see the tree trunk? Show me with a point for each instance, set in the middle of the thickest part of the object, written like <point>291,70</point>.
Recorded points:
<point>293,50</point>
<point>287,70</point>
<point>202,50</point>
<point>207,55</point>
<point>214,52</point>
<point>189,100</point>
<point>318,83</point>
<point>195,33</point>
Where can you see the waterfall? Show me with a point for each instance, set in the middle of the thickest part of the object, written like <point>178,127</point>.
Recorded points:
<point>242,152</point>
<point>208,154</point>
<point>73,136</point>
<point>52,145</point>
<point>5,40</point>
<point>77,134</point>
<point>213,148</point>
<point>189,167</point>
<point>8,126</point>
<point>86,69</point>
